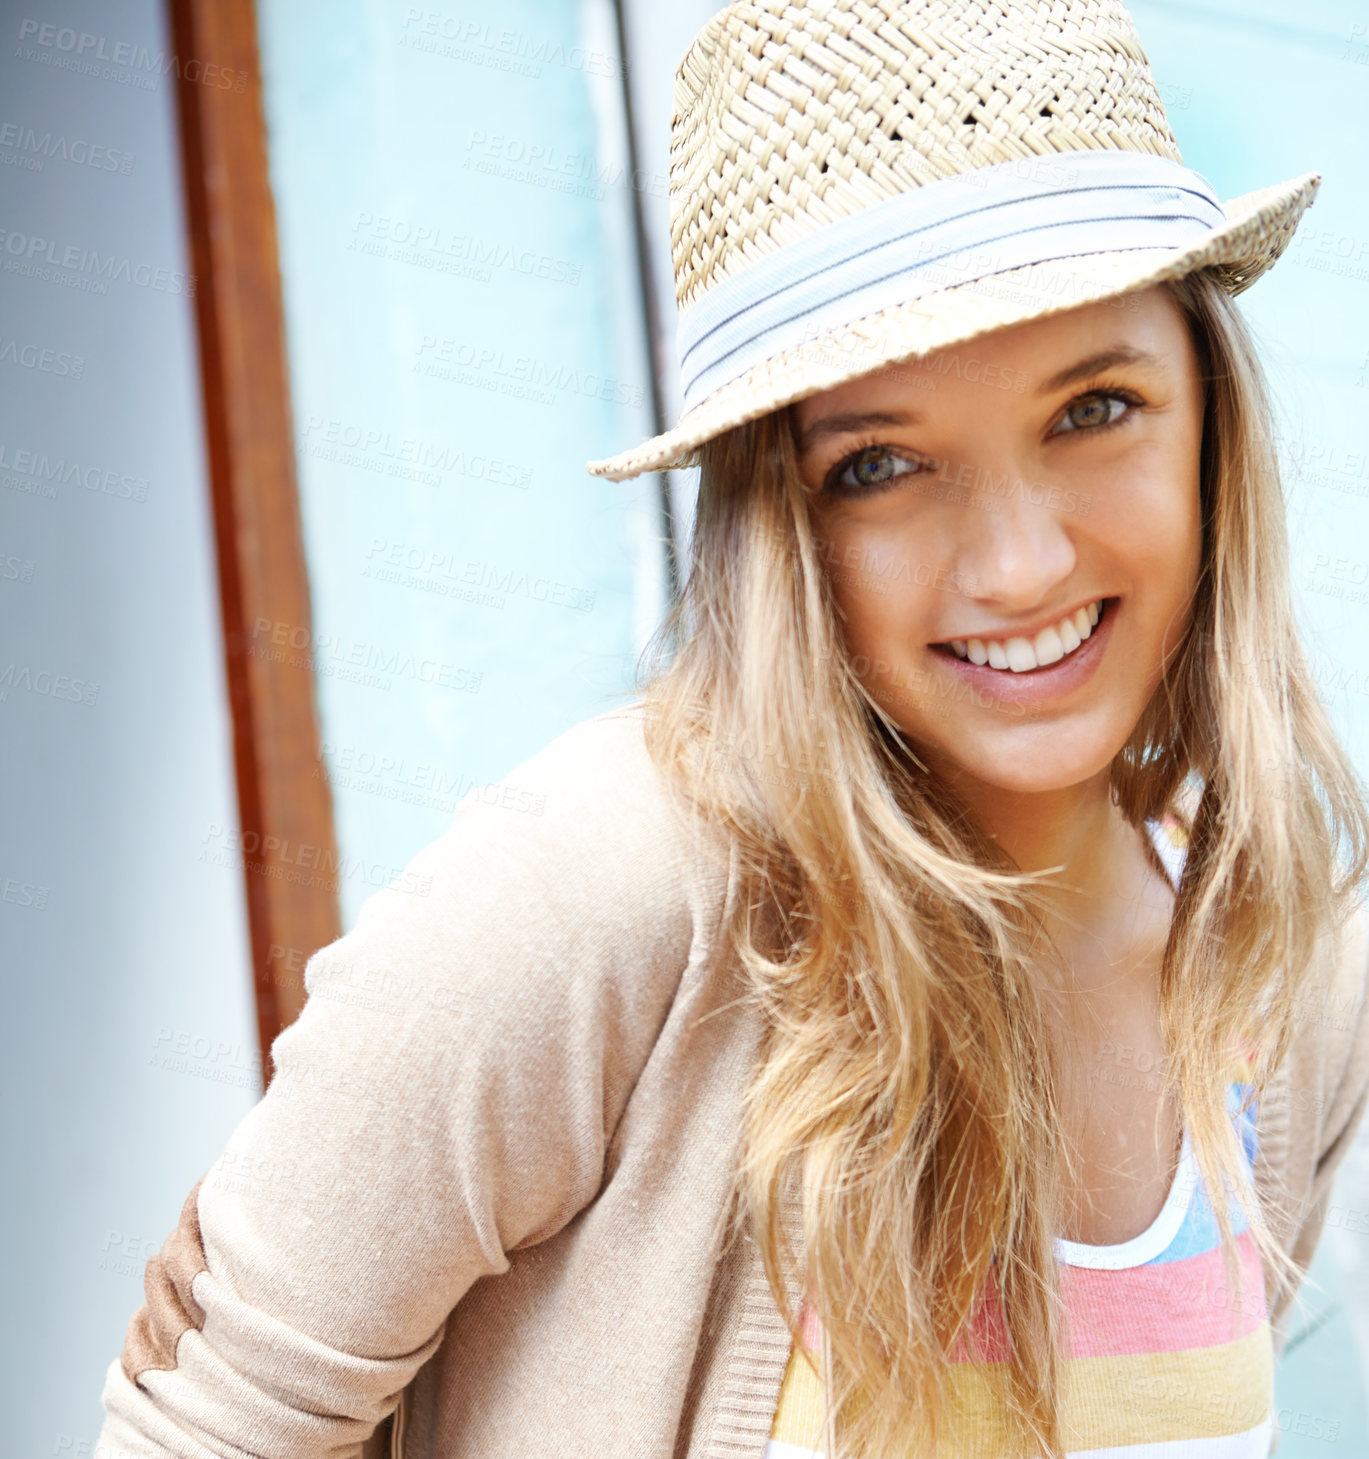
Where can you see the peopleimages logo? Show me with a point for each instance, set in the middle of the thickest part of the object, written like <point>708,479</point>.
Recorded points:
<point>43,358</point>
<point>359,662</point>
<point>303,863</point>
<point>426,245</point>
<point>67,49</point>
<point>38,474</point>
<point>548,165</point>
<point>39,254</point>
<point>464,362</point>
<point>45,683</point>
<point>372,448</point>
<point>480,43</point>
<point>31,148</point>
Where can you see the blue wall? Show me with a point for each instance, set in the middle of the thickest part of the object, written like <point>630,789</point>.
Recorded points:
<point>454,212</point>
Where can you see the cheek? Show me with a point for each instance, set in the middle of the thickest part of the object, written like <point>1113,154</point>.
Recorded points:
<point>868,621</point>
<point>882,588</point>
<point>1150,515</point>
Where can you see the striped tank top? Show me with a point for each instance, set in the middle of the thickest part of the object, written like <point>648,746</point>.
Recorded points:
<point>1160,1362</point>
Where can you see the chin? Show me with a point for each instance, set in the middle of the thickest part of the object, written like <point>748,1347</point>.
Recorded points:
<point>1037,783</point>
<point>1036,765</point>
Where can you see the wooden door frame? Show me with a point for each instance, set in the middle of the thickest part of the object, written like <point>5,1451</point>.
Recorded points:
<point>288,842</point>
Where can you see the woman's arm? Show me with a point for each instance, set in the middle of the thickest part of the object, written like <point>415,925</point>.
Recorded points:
<point>1343,1096</point>
<point>447,1094</point>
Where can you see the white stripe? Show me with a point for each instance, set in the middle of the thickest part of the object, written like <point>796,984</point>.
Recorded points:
<point>778,1449</point>
<point>915,243</point>
<point>1252,1444</point>
<point>1172,856</point>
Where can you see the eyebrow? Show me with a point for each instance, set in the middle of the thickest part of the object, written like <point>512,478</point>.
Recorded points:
<point>852,422</point>
<point>847,423</point>
<point>1104,360</point>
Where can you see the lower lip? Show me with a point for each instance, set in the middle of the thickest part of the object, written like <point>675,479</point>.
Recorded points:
<point>1037,685</point>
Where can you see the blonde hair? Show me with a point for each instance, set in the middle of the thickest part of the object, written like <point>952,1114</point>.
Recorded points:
<point>909,1082</point>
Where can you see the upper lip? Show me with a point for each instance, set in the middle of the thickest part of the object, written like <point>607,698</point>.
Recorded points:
<point>1002,635</point>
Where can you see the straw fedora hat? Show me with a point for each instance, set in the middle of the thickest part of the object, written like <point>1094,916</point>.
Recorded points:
<point>855,183</point>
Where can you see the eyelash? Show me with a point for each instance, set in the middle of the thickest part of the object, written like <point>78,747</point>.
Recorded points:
<point>834,486</point>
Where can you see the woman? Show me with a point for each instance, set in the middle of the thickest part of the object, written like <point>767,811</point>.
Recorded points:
<point>842,1063</point>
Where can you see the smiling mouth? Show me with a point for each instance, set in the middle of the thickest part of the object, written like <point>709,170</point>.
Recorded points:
<point>1022,657</point>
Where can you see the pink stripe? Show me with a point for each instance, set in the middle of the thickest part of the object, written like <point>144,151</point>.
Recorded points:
<point>1165,1307</point>
<point>1169,1307</point>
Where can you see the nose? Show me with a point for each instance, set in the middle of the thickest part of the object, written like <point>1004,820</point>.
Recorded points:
<point>1017,543</point>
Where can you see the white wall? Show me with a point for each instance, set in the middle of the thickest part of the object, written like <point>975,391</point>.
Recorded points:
<point>117,943</point>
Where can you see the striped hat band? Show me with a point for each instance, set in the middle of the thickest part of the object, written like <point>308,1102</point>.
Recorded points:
<point>950,231</point>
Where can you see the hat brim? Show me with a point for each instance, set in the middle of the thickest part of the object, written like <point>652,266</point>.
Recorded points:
<point>1258,228</point>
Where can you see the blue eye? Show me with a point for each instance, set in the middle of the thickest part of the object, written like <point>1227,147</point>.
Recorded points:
<point>1093,412</point>
<point>870,469</point>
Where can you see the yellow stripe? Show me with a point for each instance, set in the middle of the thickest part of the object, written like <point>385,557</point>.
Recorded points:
<point>798,1415</point>
<point>1158,1397</point>
<point>1108,1402</point>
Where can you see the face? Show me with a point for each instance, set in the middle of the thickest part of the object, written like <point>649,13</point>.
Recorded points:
<point>977,508</point>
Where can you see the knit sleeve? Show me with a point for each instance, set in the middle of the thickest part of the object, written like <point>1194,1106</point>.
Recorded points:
<point>448,1094</point>
<point>1343,1100</point>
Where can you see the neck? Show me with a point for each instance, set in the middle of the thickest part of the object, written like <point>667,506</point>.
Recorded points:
<point>1074,828</point>
<point>1106,905</point>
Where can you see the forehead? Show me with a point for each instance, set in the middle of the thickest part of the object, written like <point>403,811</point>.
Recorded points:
<point>1148,322</point>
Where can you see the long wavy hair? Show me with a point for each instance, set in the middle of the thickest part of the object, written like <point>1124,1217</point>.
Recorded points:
<point>908,1094</point>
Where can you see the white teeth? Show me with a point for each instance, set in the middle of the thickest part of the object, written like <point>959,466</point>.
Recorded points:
<point>1019,655</point>
<point>1049,649</point>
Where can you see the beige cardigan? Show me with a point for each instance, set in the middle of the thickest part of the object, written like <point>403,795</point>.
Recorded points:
<point>492,1173</point>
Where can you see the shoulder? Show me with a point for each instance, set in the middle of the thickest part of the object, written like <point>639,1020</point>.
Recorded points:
<point>594,775</point>
<point>590,804</point>
<point>542,938</point>
<point>583,848</point>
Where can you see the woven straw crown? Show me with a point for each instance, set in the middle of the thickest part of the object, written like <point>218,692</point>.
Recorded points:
<point>791,119</point>
<point>789,116</point>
